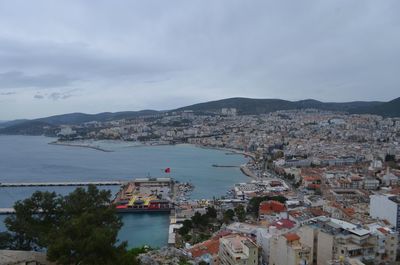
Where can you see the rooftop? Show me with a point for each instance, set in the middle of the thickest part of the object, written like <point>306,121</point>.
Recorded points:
<point>291,237</point>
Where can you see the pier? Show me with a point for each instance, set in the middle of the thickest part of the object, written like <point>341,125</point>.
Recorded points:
<point>7,211</point>
<point>61,184</point>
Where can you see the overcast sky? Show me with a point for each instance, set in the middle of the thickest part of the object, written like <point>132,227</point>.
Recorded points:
<point>94,56</point>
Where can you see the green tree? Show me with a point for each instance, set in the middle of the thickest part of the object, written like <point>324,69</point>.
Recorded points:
<point>199,220</point>
<point>88,230</point>
<point>34,218</point>
<point>211,212</point>
<point>228,215</point>
<point>80,228</point>
<point>240,213</point>
<point>254,202</point>
<point>6,240</point>
<point>185,229</point>
<point>279,198</point>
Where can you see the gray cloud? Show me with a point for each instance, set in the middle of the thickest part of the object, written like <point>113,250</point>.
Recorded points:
<point>59,95</point>
<point>75,59</point>
<point>162,54</point>
<point>8,93</point>
<point>16,79</point>
<point>38,96</point>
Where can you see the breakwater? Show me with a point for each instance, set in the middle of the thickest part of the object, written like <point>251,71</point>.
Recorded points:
<point>98,148</point>
<point>59,184</point>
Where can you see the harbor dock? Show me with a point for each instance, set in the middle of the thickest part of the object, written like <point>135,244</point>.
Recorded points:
<point>60,184</point>
<point>7,211</point>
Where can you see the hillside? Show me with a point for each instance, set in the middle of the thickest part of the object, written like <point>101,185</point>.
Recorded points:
<point>77,118</point>
<point>248,106</point>
<point>386,109</point>
<point>4,124</point>
<point>46,125</point>
<point>33,127</point>
<point>244,106</point>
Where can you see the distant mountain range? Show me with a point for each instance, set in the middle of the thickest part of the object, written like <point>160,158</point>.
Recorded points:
<point>77,118</point>
<point>244,106</point>
<point>249,106</point>
<point>4,124</point>
<point>35,127</point>
<point>386,109</point>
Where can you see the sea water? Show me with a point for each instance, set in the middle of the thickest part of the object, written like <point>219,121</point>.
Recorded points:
<point>32,159</point>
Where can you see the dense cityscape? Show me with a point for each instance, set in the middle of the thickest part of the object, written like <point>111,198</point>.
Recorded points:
<point>322,187</point>
<point>337,173</point>
<point>206,132</point>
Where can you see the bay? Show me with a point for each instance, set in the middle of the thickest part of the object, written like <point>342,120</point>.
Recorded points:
<point>32,159</point>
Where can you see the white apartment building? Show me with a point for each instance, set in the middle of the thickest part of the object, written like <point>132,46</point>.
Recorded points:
<point>237,250</point>
<point>288,250</point>
<point>386,207</point>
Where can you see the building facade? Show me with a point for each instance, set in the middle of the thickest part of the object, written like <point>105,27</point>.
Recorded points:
<point>237,250</point>
<point>386,207</point>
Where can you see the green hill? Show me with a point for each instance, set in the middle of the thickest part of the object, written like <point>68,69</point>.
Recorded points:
<point>244,106</point>
<point>33,127</point>
<point>386,109</point>
<point>249,106</point>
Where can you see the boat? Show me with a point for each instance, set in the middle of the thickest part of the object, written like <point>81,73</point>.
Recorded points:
<point>141,206</point>
<point>145,195</point>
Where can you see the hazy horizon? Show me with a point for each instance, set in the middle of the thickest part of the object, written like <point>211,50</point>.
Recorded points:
<point>76,56</point>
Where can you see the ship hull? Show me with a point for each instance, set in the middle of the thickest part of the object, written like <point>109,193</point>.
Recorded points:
<point>137,210</point>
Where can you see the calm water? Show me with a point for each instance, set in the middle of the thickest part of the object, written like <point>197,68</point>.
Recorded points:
<point>32,159</point>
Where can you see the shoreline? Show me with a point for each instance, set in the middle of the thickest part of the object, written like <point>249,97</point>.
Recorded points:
<point>228,150</point>
<point>248,172</point>
<point>243,168</point>
<point>141,144</point>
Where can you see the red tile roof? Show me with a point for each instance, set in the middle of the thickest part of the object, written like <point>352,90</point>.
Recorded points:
<point>268,207</point>
<point>283,223</point>
<point>311,178</point>
<point>383,230</point>
<point>291,237</point>
<point>317,212</point>
<point>210,246</point>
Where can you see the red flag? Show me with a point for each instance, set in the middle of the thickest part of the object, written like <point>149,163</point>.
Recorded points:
<point>167,170</point>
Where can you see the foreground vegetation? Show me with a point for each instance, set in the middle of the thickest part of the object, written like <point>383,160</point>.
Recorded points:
<point>79,228</point>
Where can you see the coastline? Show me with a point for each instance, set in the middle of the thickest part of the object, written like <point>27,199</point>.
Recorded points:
<point>243,168</point>
<point>228,150</point>
<point>247,171</point>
